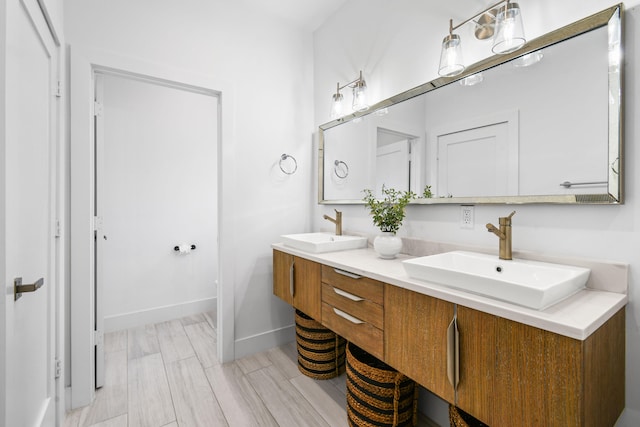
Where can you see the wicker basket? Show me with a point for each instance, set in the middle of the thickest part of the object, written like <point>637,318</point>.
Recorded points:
<point>378,395</point>
<point>459,418</point>
<point>320,351</point>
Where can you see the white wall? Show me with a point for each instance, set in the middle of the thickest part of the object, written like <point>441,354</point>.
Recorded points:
<point>268,63</point>
<point>397,45</point>
<point>157,189</point>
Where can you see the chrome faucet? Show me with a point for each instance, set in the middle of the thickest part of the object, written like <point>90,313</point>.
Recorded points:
<point>504,234</point>
<point>337,221</point>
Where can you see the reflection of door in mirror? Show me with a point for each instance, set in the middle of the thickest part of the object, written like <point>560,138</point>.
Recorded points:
<point>477,156</point>
<point>396,162</point>
<point>475,161</point>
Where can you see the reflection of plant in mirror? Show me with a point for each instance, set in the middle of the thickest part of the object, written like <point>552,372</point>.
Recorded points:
<point>388,213</point>
<point>426,193</point>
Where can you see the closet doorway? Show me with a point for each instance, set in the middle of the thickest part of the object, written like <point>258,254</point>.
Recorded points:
<point>156,204</point>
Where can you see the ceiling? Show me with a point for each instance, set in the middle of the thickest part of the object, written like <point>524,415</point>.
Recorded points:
<point>310,14</point>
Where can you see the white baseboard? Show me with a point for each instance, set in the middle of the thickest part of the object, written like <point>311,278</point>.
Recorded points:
<point>264,341</point>
<point>158,314</point>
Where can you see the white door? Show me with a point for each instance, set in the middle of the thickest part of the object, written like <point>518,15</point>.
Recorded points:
<point>392,166</point>
<point>30,123</point>
<point>476,161</point>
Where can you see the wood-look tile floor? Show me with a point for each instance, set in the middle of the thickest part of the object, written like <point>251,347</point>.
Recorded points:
<point>167,374</point>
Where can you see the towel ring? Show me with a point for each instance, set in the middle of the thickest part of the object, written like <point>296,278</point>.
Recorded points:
<point>283,158</point>
<point>341,172</point>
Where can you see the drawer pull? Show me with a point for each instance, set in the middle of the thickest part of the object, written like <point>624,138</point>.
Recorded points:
<point>347,295</point>
<point>346,273</point>
<point>349,317</point>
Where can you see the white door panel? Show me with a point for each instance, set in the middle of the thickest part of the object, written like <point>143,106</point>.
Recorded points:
<point>476,161</point>
<point>31,71</point>
<point>392,166</point>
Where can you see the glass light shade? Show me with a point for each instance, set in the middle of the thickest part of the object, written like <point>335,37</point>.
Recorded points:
<point>509,33</point>
<point>360,96</point>
<point>336,106</point>
<point>451,63</point>
<point>472,80</point>
<point>528,59</point>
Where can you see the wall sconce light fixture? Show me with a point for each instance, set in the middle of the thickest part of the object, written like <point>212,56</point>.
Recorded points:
<point>359,103</point>
<point>503,23</point>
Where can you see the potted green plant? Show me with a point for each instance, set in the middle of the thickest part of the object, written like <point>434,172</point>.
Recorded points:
<point>388,214</point>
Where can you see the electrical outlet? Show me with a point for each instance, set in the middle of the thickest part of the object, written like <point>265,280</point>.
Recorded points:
<point>466,216</point>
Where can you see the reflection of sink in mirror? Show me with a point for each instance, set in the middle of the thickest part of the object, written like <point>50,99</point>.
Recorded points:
<point>528,283</point>
<point>323,242</point>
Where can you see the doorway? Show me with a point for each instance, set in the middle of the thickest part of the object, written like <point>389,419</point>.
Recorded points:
<point>84,64</point>
<point>155,203</point>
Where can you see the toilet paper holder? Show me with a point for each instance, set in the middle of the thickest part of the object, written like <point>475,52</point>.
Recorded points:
<point>177,248</point>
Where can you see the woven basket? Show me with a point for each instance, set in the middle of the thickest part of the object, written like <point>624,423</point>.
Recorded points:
<point>378,395</point>
<point>459,418</point>
<point>320,351</point>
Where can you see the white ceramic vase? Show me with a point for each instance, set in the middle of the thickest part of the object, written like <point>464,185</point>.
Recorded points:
<point>387,245</point>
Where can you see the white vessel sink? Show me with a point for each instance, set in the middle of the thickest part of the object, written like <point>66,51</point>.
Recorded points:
<point>323,242</point>
<point>528,283</point>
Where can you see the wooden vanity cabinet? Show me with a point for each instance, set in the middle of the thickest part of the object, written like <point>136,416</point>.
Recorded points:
<point>297,281</point>
<point>353,307</point>
<point>508,374</point>
<point>513,374</point>
<point>416,338</point>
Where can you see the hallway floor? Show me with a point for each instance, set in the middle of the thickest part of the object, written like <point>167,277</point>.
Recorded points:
<point>167,374</point>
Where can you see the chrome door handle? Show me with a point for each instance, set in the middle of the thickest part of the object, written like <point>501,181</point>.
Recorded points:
<point>19,288</point>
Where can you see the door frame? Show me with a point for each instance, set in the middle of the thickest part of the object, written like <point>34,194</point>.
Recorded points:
<point>83,63</point>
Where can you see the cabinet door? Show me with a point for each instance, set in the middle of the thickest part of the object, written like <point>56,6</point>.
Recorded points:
<point>517,375</point>
<point>415,332</point>
<point>282,264</point>
<point>307,287</point>
<point>298,282</point>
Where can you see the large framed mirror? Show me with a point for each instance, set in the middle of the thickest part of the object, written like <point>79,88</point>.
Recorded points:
<point>544,125</point>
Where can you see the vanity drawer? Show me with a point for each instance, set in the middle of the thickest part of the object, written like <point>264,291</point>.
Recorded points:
<point>354,305</point>
<point>360,286</point>
<point>362,334</point>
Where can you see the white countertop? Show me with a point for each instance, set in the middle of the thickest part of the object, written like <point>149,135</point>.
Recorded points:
<point>576,317</point>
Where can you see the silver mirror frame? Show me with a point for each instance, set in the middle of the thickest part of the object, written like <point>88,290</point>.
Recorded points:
<point>611,17</point>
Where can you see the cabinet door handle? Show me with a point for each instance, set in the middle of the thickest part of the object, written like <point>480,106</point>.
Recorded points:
<point>348,274</point>
<point>346,294</point>
<point>292,287</point>
<point>453,353</point>
<point>349,317</point>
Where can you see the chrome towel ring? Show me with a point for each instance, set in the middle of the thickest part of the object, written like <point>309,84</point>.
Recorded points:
<point>284,168</point>
<point>341,169</point>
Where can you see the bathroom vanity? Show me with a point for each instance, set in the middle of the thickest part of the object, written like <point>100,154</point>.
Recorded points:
<point>504,364</point>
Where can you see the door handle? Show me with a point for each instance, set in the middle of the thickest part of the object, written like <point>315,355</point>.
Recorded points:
<point>19,288</point>
<point>453,354</point>
<point>292,283</point>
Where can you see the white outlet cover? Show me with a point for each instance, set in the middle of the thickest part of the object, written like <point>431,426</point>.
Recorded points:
<point>466,216</point>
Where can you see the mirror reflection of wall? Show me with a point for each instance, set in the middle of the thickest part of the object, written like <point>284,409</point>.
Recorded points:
<point>521,132</point>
